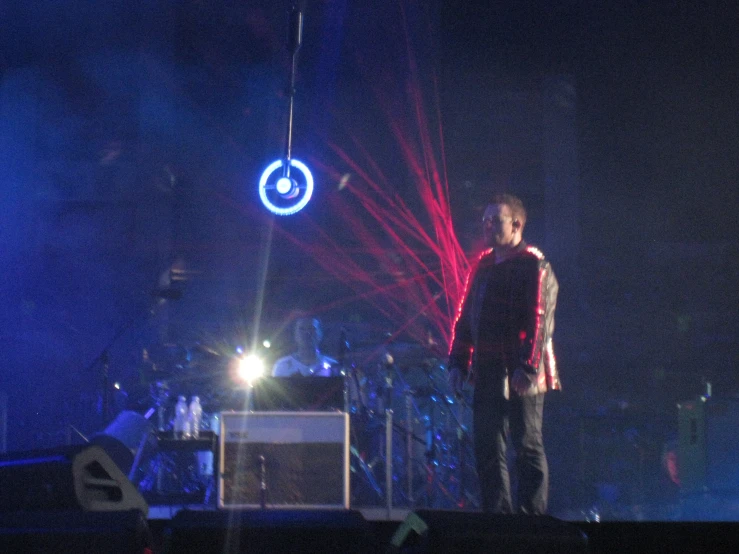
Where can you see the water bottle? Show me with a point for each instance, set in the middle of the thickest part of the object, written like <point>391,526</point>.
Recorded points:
<point>180,419</point>
<point>194,415</point>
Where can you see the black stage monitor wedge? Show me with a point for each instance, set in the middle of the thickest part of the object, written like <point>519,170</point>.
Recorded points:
<point>442,531</point>
<point>298,393</point>
<point>73,532</point>
<point>66,478</point>
<point>270,532</point>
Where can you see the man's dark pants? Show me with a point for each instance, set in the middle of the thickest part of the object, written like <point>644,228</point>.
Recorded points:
<point>493,418</point>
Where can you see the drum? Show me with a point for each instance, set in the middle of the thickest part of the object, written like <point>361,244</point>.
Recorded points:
<point>123,438</point>
<point>427,425</point>
<point>131,428</point>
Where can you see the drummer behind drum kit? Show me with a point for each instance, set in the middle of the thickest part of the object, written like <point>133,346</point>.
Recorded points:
<point>410,436</point>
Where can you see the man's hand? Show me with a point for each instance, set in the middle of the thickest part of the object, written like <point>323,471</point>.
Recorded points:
<point>456,380</point>
<point>522,382</point>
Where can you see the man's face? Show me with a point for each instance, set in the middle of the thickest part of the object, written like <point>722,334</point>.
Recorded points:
<point>306,332</point>
<point>497,226</point>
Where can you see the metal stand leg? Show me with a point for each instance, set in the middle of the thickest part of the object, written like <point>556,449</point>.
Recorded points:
<point>409,446</point>
<point>430,456</point>
<point>139,455</point>
<point>160,472</point>
<point>389,461</point>
<point>367,472</point>
<point>262,482</point>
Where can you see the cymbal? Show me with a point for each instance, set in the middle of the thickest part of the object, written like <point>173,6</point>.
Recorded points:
<point>204,349</point>
<point>405,354</point>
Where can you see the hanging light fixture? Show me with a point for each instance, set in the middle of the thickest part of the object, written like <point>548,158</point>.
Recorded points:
<point>286,185</point>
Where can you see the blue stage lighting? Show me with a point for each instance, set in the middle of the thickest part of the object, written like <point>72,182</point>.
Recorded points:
<point>278,195</point>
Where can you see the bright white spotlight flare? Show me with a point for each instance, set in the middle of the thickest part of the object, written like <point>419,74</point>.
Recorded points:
<point>251,368</point>
<point>285,195</point>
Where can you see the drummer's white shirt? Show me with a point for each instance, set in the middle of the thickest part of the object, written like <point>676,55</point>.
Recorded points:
<point>290,365</point>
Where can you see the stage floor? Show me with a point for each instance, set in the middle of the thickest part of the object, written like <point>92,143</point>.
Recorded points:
<point>457,531</point>
<point>166,512</point>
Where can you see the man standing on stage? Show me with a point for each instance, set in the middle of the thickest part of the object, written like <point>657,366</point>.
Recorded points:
<point>502,344</point>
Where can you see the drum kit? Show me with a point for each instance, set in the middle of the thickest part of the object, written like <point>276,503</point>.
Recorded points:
<point>410,435</point>
<point>408,425</point>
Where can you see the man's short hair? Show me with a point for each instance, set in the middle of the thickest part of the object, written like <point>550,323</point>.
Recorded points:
<point>514,203</point>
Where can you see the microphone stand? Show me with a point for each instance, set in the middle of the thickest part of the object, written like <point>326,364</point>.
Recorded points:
<point>343,346</point>
<point>295,39</point>
<point>350,378</point>
<point>103,359</point>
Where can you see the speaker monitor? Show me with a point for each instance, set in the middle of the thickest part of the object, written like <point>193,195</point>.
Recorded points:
<point>284,460</point>
<point>432,531</point>
<point>675,537</point>
<point>71,478</point>
<point>72,532</point>
<point>269,531</point>
<point>708,452</point>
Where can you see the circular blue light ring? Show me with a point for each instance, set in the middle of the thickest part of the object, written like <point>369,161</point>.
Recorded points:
<point>271,168</point>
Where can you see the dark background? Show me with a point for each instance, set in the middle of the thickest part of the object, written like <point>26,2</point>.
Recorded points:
<point>132,135</point>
